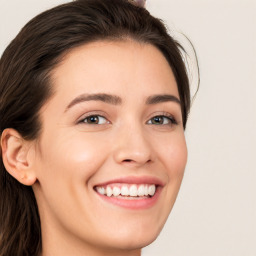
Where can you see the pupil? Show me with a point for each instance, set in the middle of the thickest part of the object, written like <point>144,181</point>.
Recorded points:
<point>158,120</point>
<point>93,119</point>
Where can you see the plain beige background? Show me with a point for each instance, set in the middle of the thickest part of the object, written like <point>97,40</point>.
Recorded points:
<point>215,213</point>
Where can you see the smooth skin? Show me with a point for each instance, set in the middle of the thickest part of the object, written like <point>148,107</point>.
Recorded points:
<point>87,140</point>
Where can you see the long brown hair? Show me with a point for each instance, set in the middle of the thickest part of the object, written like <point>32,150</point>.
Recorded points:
<point>25,85</point>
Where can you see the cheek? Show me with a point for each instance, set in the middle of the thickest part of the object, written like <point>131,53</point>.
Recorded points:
<point>174,155</point>
<point>76,155</point>
<point>64,168</point>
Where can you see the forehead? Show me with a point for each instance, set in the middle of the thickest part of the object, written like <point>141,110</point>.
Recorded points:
<point>120,67</point>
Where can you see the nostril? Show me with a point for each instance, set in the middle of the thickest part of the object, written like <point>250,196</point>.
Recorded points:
<point>127,160</point>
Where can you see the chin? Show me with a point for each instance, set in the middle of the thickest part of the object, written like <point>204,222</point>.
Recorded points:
<point>133,239</point>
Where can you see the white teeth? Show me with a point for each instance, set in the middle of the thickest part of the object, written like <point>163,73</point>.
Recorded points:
<point>133,190</point>
<point>109,191</point>
<point>124,191</point>
<point>146,190</point>
<point>151,190</point>
<point>116,191</point>
<point>101,190</point>
<point>141,190</point>
<point>127,190</point>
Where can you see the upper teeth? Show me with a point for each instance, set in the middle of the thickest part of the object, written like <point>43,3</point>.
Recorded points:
<point>127,190</point>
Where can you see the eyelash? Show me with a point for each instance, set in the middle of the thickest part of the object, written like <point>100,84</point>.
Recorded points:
<point>92,116</point>
<point>170,119</point>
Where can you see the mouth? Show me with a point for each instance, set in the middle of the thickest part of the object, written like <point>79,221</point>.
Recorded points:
<point>130,193</point>
<point>127,191</point>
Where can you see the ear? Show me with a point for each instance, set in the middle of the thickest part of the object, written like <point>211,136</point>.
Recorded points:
<point>18,156</point>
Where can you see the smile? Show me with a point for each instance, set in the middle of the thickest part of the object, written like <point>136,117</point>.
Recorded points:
<point>127,191</point>
<point>136,193</point>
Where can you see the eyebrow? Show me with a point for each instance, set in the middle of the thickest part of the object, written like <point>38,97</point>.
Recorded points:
<point>116,100</point>
<point>159,98</point>
<point>107,98</point>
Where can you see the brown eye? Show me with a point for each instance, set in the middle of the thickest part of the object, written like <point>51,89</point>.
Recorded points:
<point>157,120</point>
<point>162,120</point>
<point>96,119</point>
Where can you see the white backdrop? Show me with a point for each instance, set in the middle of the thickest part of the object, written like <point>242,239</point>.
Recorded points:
<point>215,213</point>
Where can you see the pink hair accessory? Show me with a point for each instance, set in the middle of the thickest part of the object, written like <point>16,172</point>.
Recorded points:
<point>141,3</point>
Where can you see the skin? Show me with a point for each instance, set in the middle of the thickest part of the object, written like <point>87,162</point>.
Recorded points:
<point>71,156</point>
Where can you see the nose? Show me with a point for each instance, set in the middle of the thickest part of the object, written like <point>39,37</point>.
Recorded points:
<point>133,147</point>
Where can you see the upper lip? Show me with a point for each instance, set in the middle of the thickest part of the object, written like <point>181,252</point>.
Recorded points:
<point>134,180</point>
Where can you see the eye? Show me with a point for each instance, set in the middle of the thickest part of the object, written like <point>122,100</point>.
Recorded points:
<point>94,119</point>
<point>162,120</point>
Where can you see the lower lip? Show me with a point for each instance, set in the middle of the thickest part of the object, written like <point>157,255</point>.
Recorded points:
<point>135,204</point>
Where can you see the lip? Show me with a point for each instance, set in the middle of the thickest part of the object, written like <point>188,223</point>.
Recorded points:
<point>136,203</point>
<point>134,180</point>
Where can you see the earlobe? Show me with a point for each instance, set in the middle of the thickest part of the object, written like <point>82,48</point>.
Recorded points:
<point>15,155</point>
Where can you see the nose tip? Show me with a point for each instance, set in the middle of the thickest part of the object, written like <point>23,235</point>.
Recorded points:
<point>133,149</point>
<point>132,157</point>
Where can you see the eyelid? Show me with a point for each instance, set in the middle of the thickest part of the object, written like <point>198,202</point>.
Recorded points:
<point>93,113</point>
<point>99,119</point>
<point>171,121</point>
<point>171,117</point>
<point>164,114</point>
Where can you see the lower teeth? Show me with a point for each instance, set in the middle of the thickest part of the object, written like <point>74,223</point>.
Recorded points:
<point>131,197</point>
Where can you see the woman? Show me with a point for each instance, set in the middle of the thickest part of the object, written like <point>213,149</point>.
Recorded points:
<point>93,104</point>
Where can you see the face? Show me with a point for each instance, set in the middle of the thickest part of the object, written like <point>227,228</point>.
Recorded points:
<point>111,156</point>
